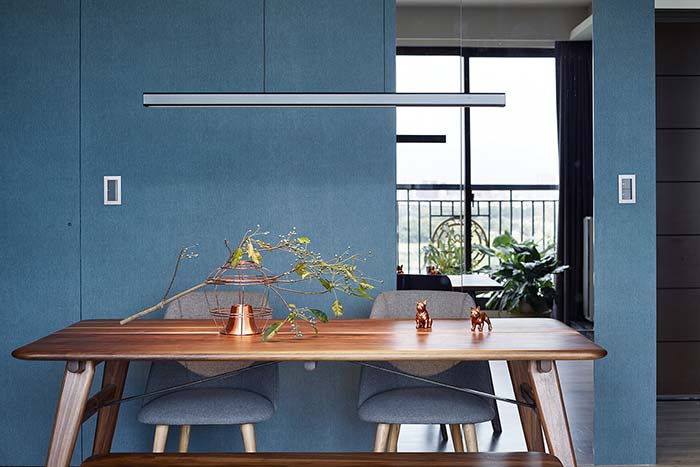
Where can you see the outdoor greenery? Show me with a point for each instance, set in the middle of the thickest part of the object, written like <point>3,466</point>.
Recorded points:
<point>526,274</point>
<point>446,253</point>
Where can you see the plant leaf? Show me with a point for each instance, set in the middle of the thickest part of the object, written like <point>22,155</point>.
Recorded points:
<point>319,315</point>
<point>337,308</point>
<point>300,269</point>
<point>272,330</point>
<point>236,257</point>
<point>254,254</point>
<point>262,244</point>
<point>326,285</point>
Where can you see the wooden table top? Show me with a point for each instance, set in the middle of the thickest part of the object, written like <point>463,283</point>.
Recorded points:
<point>339,339</point>
<point>474,283</point>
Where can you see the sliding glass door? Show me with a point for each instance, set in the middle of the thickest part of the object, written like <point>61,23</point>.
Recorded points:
<point>475,173</point>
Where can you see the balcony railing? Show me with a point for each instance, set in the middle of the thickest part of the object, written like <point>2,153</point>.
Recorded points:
<point>424,212</point>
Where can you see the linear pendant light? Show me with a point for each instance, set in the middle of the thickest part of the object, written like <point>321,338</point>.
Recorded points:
<point>158,99</point>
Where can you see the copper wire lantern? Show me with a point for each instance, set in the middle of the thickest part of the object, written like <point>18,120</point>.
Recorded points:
<point>251,304</point>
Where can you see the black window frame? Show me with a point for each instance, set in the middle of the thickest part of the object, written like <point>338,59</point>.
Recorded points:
<point>466,53</point>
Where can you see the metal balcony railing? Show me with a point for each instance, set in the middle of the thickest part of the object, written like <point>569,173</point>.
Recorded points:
<point>424,212</point>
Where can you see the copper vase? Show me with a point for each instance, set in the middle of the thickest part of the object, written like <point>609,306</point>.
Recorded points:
<point>241,321</point>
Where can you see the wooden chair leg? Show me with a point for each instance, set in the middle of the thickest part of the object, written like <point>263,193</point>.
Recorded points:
<point>381,438</point>
<point>470,438</point>
<point>443,433</point>
<point>248,432</point>
<point>184,438</point>
<point>160,438</point>
<point>456,432</point>
<point>393,438</point>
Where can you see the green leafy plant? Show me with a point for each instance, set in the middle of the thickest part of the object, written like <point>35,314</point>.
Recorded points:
<point>339,274</point>
<point>525,273</point>
<point>446,253</point>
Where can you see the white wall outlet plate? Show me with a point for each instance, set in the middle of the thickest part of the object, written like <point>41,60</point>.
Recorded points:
<point>627,189</point>
<point>113,190</point>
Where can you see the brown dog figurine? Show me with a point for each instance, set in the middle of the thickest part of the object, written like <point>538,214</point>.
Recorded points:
<point>423,319</point>
<point>479,318</point>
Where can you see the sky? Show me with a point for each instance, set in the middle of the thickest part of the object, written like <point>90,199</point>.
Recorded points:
<point>512,145</point>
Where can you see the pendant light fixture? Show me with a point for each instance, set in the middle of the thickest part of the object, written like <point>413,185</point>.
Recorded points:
<point>386,99</point>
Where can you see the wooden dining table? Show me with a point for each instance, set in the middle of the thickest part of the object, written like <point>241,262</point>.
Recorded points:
<point>531,346</point>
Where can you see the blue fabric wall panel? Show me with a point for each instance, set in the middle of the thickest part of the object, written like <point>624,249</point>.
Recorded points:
<point>390,46</point>
<point>625,235</point>
<point>317,45</point>
<point>202,175</point>
<point>39,208</point>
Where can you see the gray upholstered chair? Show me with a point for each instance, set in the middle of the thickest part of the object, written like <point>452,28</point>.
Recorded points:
<point>244,399</point>
<point>392,400</point>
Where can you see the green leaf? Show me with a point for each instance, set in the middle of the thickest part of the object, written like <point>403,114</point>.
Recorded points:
<point>326,285</point>
<point>254,254</point>
<point>337,308</point>
<point>262,244</point>
<point>304,240</point>
<point>319,315</point>
<point>365,286</point>
<point>236,257</point>
<point>272,330</point>
<point>300,269</point>
<point>360,292</point>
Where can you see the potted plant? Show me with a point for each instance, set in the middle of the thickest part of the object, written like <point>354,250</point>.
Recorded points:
<point>527,276</point>
<point>445,254</point>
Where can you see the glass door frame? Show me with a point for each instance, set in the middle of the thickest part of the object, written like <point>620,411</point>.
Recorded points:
<point>466,53</point>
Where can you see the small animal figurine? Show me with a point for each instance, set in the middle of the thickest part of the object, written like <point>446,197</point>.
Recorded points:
<point>479,318</point>
<point>423,319</point>
<point>399,269</point>
<point>433,271</point>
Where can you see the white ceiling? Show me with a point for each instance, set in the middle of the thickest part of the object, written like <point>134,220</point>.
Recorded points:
<point>494,3</point>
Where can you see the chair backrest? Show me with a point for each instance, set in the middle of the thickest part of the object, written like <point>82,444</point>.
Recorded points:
<point>402,304</point>
<point>423,282</point>
<point>163,374</point>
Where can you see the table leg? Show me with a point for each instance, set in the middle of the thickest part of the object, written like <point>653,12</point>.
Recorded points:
<point>114,374</point>
<point>550,405</point>
<point>532,429</point>
<point>77,380</point>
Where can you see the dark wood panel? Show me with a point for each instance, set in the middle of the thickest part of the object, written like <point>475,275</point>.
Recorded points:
<point>677,364</point>
<point>339,339</point>
<point>677,155</point>
<point>677,208</point>
<point>307,459</point>
<point>677,46</point>
<point>677,262</point>
<point>678,314</point>
<point>678,102</point>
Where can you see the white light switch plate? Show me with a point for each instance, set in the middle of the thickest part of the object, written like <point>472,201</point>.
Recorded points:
<point>627,189</point>
<point>113,190</point>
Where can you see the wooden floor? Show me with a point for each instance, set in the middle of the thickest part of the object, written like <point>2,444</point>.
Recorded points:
<point>678,423</point>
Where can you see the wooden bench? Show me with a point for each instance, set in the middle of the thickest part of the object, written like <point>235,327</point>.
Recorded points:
<point>303,459</point>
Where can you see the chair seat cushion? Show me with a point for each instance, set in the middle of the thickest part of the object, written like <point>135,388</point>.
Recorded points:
<point>426,406</point>
<point>207,406</point>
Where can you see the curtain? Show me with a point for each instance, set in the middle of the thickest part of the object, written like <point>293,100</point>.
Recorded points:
<point>575,115</point>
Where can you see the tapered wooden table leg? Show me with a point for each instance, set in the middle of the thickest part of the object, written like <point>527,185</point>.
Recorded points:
<point>532,429</point>
<point>77,380</point>
<point>114,374</point>
<point>550,405</point>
